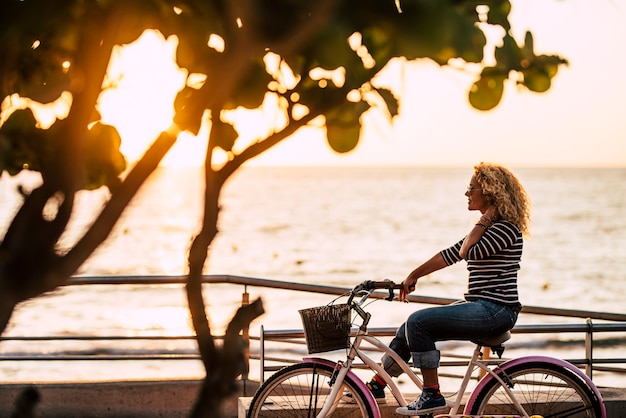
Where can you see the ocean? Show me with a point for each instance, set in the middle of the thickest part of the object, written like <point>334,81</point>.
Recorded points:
<point>324,225</point>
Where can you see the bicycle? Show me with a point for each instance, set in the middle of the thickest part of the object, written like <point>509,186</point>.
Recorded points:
<point>528,387</point>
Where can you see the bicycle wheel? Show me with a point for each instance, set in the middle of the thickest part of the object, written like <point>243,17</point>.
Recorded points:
<point>300,390</point>
<point>543,389</point>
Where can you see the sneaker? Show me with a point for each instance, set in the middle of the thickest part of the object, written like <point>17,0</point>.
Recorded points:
<point>425,404</point>
<point>377,391</point>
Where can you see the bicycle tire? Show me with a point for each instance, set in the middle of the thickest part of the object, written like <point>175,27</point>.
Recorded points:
<point>300,390</point>
<point>544,389</point>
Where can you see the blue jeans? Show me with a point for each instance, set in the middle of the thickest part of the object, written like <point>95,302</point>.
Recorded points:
<point>459,321</point>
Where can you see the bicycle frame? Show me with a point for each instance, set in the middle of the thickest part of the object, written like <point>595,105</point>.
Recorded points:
<point>475,362</point>
<point>344,372</point>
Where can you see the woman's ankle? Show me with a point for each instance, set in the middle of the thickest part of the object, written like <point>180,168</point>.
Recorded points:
<point>378,381</point>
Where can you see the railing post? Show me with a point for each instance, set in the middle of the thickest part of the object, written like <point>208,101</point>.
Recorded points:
<point>262,354</point>
<point>589,348</point>
<point>245,301</point>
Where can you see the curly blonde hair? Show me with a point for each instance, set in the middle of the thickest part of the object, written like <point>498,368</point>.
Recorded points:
<point>506,192</point>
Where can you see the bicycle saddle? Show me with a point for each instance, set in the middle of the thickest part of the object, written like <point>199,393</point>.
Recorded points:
<point>494,340</point>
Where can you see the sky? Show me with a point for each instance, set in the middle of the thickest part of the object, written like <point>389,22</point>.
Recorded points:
<point>579,122</point>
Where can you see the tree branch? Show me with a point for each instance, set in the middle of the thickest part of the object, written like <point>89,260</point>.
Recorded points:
<point>119,200</point>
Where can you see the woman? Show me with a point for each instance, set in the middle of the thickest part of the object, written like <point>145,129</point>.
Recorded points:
<point>492,250</point>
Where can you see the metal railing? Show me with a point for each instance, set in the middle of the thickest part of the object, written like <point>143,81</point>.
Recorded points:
<point>312,288</point>
<point>589,328</point>
<point>589,362</point>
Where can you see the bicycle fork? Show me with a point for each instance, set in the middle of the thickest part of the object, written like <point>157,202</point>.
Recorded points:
<point>342,373</point>
<point>339,374</point>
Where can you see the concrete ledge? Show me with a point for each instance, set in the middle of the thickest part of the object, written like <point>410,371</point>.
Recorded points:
<point>170,399</point>
<point>615,401</point>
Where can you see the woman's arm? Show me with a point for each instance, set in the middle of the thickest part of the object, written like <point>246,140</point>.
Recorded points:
<point>477,232</point>
<point>472,238</point>
<point>435,263</point>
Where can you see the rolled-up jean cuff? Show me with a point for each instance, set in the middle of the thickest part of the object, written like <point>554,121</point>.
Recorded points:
<point>427,359</point>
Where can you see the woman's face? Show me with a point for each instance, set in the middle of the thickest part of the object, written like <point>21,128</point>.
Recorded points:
<point>476,200</point>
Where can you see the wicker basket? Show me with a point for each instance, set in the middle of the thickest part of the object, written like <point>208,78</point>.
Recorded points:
<point>326,328</point>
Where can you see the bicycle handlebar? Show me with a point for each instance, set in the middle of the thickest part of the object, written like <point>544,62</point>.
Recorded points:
<point>369,286</point>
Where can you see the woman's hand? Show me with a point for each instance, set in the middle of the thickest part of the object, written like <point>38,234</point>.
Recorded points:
<point>408,285</point>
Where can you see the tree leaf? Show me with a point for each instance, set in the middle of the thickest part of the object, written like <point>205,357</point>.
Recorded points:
<point>438,31</point>
<point>104,161</point>
<point>193,27</point>
<point>189,110</point>
<point>276,20</point>
<point>224,134</point>
<point>529,46</point>
<point>487,91</point>
<point>390,100</point>
<point>20,143</point>
<point>499,13</point>
<point>510,55</point>
<point>250,92</point>
<point>537,80</point>
<point>342,138</point>
<point>343,127</point>
<point>331,49</point>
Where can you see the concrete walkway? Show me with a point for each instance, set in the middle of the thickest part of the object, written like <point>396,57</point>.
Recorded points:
<point>134,399</point>
<point>167,399</point>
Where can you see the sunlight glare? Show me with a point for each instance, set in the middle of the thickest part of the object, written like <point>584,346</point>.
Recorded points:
<point>167,320</point>
<point>256,124</point>
<point>143,80</point>
<point>196,80</point>
<point>285,79</point>
<point>45,114</point>
<point>190,150</point>
<point>337,76</point>
<point>217,42</point>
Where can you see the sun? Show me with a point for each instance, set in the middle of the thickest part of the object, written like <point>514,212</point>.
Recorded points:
<point>138,96</point>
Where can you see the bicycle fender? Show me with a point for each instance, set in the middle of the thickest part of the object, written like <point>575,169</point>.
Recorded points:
<point>543,359</point>
<point>350,376</point>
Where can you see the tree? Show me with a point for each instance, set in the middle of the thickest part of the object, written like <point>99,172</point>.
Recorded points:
<point>316,58</point>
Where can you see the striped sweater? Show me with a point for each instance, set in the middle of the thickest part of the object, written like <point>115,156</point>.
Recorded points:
<point>492,263</point>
